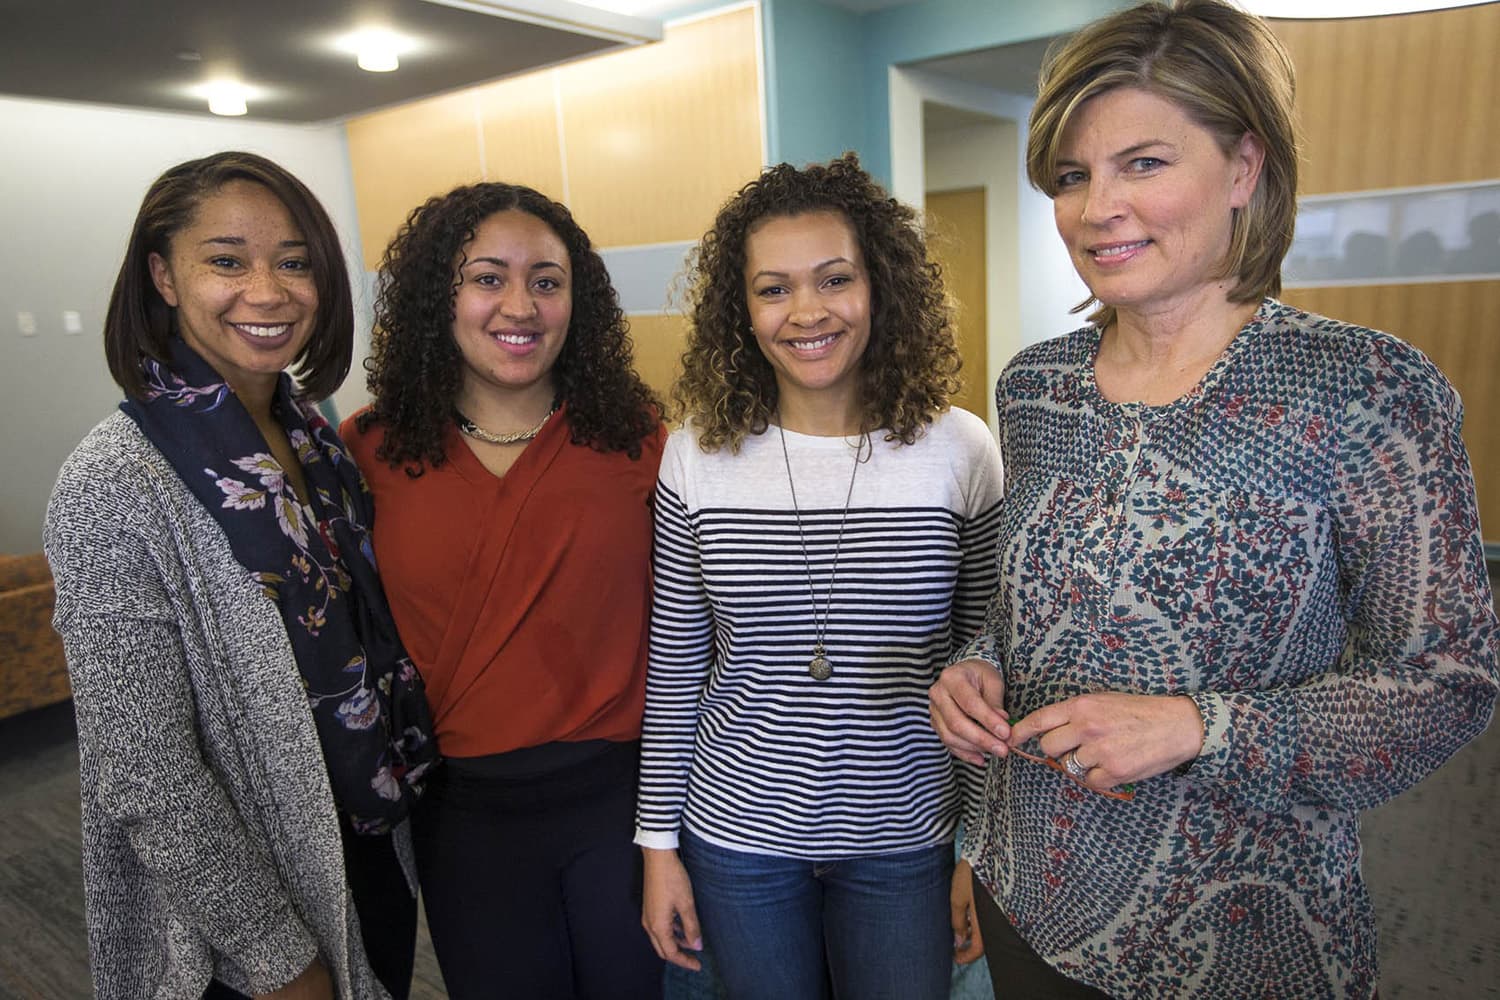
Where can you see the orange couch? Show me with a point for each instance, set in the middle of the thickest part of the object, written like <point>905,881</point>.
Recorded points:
<point>33,671</point>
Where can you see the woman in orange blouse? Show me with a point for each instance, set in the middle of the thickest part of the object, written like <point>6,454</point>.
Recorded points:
<point>512,451</point>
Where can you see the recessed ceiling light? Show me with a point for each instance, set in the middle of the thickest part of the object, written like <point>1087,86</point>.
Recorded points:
<point>226,97</point>
<point>378,60</point>
<point>377,50</point>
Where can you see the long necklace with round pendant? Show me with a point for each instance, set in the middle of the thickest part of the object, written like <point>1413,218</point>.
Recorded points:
<point>820,667</point>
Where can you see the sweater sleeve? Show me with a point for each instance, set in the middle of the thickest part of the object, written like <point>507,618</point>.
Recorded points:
<point>139,738</point>
<point>983,642</point>
<point>978,575</point>
<point>1417,677</point>
<point>681,655</point>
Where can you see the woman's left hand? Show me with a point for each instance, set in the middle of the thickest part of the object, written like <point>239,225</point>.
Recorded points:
<point>1120,738</point>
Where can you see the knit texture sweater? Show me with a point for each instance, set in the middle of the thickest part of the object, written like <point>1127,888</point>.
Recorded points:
<point>210,840</point>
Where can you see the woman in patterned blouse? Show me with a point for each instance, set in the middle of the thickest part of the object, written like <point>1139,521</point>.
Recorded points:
<point>1242,589</point>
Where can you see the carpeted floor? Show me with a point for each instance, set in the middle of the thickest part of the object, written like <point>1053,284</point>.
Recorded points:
<point>1432,860</point>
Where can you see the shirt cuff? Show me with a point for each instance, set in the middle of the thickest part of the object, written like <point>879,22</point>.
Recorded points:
<point>1214,757</point>
<point>658,840</point>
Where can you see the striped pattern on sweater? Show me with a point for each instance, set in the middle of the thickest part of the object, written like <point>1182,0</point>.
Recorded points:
<point>741,744</point>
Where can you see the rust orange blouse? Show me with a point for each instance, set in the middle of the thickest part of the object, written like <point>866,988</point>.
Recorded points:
<point>525,600</point>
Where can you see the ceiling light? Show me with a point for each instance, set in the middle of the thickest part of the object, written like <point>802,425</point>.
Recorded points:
<point>377,52</point>
<point>378,60</point>
<point>375,49</point>
<point>1347,8</point>
<point>226,97</point>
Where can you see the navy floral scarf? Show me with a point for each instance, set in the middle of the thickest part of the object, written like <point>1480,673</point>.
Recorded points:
<point>315,563</point>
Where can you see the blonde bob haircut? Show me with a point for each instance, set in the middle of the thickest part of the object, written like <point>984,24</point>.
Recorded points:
<point>1227,72</point>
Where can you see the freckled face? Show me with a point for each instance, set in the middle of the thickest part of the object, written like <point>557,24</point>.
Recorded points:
<point>241,281</point>
<point>808,295</point>
<point>513,304</point>
<point>1145,198</point>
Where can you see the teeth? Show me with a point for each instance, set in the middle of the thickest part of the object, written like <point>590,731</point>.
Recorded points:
<point>263,331</point>
<point>1116,251</point>
<point>813,345</point>
<point>515,338</point>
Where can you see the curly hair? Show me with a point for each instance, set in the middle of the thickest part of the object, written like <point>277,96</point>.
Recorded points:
<point>415,368</point>
<point>909,370</point>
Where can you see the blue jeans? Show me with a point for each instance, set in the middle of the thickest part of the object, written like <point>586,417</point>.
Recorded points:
<point>867,928</point>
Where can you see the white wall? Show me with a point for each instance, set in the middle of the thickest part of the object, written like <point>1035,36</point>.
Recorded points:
<point>983,156</point>
<point>71,179</point>
<point>1045,286</point>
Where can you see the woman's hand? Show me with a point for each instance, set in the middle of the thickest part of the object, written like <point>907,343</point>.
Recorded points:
<point>968,943</point>
<point>313,983</point>
<point>667,910</point>
<point>966,706</point>
<point>1120,738</point>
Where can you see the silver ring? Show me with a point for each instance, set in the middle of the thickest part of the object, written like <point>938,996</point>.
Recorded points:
<point>1076,769</point>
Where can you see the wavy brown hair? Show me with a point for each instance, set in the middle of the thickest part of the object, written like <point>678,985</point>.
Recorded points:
<point>909,370</point>
<point>415,367</point>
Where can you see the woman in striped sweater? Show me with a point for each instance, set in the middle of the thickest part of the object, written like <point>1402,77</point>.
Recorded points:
<point>824,535</point>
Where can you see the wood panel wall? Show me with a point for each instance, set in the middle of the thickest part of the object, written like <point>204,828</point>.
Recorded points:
<point>660,136</point>
<point>1454,324</point>
<point>1406,101</point>
<point>956,225</point>
<point>1397,101</point>
<point>642,144</point>
<point>659,341</point>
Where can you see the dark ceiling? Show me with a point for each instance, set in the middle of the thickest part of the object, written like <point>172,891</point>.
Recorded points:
<point>139,54</point>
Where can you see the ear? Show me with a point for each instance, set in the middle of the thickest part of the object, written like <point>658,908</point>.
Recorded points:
<point>161,277</point>
<point>1247,156</point>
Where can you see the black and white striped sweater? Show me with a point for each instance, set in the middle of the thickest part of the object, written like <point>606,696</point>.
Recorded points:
<point>741,744</point>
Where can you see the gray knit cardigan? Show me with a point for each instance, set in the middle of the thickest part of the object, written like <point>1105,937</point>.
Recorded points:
<point>210,841</point>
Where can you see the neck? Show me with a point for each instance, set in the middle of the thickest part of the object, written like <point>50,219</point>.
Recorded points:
<point>820,414</point>
<point>1176,337</point>
<point>255,395</point>
<point>503,411</point>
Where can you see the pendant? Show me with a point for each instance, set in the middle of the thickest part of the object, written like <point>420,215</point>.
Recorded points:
<point>820,667</point>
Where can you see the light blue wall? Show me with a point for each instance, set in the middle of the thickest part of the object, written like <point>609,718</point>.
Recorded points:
<point>826,68</point>
<point>815,91</point>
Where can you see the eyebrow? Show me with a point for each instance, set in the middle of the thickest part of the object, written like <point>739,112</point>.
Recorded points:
<point>830,262</point>
<point>1126,152</point>
<point>239,241</point>
<point>501,262</point>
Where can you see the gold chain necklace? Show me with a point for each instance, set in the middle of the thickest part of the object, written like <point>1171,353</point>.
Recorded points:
<point>820,666</point>
<point>478,433</point>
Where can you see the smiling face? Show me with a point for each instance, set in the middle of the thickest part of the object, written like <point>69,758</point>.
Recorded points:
<point>1144,201</point>
<point>239,277</point>
<point>809,301</point>
<point>513,305</point>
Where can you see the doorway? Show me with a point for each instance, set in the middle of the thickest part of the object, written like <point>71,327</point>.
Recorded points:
<point>956,220</point>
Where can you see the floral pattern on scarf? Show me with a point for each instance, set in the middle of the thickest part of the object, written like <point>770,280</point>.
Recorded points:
<point>315,562</point>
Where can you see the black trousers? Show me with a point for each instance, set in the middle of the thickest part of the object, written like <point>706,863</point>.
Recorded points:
<point>387,913</point>
<point>1015,969</point>
<point>530,880</point>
